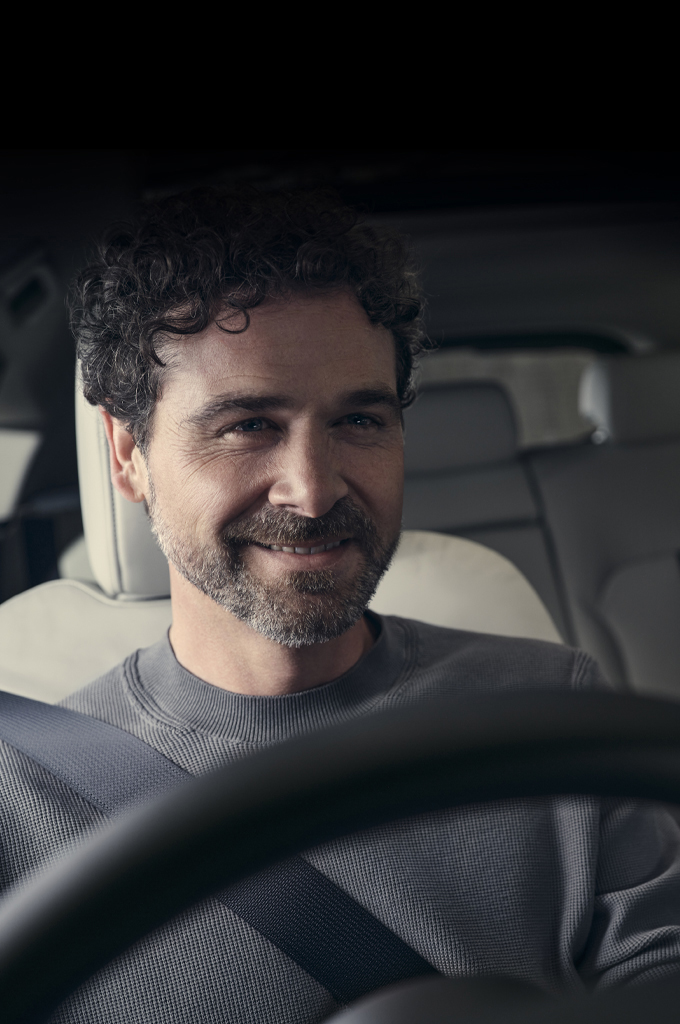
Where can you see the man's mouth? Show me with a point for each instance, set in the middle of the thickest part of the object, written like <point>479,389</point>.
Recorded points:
<point>315,549</point>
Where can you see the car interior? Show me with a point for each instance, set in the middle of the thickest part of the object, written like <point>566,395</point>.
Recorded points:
<point>547,507</point>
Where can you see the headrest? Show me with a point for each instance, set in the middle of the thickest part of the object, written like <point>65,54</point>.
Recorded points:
<point>633,398</point>
<point>125,558</point>
<point>458,425</point>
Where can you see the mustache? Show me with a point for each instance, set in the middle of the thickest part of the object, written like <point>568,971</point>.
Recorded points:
<point>280,526</point>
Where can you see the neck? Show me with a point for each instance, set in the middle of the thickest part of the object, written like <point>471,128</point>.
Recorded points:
<point>212,644</point>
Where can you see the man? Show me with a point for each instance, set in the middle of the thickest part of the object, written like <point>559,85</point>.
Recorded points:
<point>251,356</point>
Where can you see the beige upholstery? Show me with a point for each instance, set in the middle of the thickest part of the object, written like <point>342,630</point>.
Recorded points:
<point>57,637</point>
<point>125,559</point>
<point>450,581</point>
<point>61,635</point>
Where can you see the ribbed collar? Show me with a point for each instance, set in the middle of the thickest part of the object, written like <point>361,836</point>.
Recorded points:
<point>171,693</point>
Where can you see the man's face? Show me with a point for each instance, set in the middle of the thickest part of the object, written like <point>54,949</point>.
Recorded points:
<point>276,466</point>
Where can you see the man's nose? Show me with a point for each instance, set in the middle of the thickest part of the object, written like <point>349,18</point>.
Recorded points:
<point>308,480</point>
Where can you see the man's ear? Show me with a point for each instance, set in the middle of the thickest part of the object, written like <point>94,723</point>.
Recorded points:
<point>128,469</point>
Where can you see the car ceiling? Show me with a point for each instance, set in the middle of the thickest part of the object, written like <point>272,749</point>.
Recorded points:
<point>509,241</point>
<point>517,248</point>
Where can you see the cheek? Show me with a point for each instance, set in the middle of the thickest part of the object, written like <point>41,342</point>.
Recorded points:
<point>393,487</point>
<point>380,481</point>
<point>392,501</point>
<point>213,492</point>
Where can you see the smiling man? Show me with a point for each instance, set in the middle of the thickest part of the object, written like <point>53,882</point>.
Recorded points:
<point>251,356</point>
<point>274,486</point>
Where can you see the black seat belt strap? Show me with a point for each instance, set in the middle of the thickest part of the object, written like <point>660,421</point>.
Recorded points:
<point>324,930</point>
<point>110,767</point>
<point>297,908</point>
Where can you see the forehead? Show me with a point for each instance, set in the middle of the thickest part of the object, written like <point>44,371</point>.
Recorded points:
<point>310,346</point>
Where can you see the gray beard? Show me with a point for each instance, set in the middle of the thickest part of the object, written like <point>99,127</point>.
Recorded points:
<point>307,606</point>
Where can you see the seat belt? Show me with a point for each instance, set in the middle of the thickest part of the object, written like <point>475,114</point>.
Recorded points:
<point>297,908</point>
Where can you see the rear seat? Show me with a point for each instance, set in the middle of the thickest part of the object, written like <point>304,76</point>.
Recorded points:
<point>464,476</point>
<point>614,515</point>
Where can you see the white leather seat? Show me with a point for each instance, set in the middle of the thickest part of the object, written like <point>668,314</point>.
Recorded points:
<point>59,636</point>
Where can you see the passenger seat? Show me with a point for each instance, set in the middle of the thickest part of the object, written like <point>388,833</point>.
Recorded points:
<point>614,514</point>
<point>465,476</point>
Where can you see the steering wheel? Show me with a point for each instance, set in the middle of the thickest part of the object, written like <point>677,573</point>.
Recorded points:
<point>212,831</point>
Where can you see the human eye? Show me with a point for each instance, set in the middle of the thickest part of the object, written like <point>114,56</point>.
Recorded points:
<point>253,430</point>
<point>254,425</point>
<point>361,420</point>
<point>359,428</point>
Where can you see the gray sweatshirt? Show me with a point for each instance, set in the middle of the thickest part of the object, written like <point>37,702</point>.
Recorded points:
<point>562,892</point>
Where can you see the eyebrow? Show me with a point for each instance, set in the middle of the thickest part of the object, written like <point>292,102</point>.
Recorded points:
<point>237,403</point>
<point>373,396</point>
<point>249,403</point>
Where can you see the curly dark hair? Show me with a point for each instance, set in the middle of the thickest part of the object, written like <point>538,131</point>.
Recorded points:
<point>209,255</point>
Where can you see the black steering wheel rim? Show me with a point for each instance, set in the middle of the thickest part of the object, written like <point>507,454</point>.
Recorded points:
<point>212,831</point>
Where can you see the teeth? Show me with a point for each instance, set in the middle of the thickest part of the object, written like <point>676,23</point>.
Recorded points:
<point>306,551</point>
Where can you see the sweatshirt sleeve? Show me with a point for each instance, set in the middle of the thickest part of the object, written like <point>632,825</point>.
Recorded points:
<point>635,932</point>
<point>586,674</point>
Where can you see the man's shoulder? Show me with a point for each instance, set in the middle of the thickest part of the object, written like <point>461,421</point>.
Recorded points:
<point>465,662</point>
<point>114,696</point>
<point>105,697</point>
